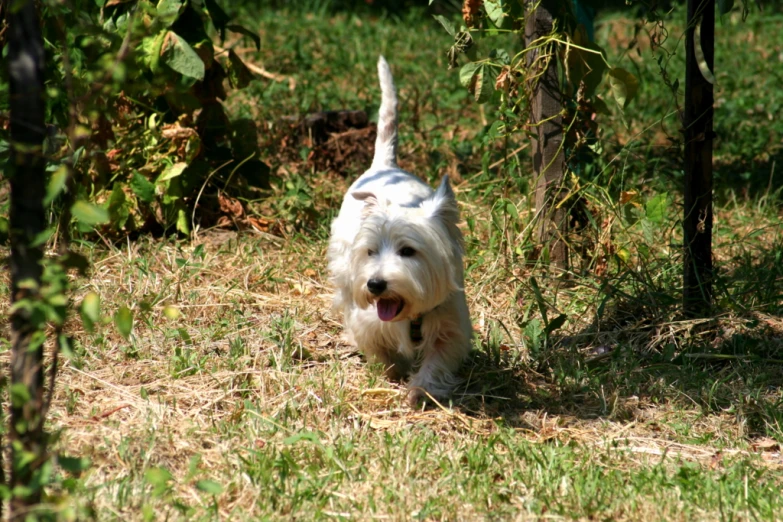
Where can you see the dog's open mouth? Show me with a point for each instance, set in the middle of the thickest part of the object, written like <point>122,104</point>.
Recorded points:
<point>388,309</point>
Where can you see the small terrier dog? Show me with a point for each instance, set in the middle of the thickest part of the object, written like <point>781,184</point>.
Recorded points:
<point>395,258</point>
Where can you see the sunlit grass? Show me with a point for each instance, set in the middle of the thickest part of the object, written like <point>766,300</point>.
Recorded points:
<point>249,405</point>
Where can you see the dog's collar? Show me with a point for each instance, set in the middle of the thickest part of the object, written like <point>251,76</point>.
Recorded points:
<point>416,335</point>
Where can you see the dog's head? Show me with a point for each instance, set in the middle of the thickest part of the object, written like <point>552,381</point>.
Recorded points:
<point>407,261</point>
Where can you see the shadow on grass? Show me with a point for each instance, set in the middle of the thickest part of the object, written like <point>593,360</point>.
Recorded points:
<point>640,356</point>
<point>749,179</point>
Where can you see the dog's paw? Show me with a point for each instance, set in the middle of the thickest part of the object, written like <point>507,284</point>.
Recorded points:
<point>419,399</point>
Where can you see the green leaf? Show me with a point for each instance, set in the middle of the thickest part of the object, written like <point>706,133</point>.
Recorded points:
<point>74,465</point>
<point>585,63</point>
<point>119,210</point>
<point>89,214</point>
<point>159,479</point>
<point>595,68</point>
<point>20,395</point>
<point>5,230</point>
<point>539,299</point>
<point>183,225</point>
<point>477,77</point>
<point>193,465</point>
<point>171,312</point>
<point>169,11</point>
<point>181,57</point>
<point>20,491</point>
<point>724,6</point>
<point>185,336</point>
<point>172,171</point>
<point>481,85</point>
<point>238,73</point>
<point>534,331</point>
<point>66,346</point>
<point>624,86</point>
<point>90,310</point>
<point>142,187</point>
<point>447,24</point>
<point>56,184</point>
<point>209,486</point>
<point>153,48</point>
<point>495,11</point>
<point>701,60</point>
<point>500,56</point>
<point>305,435</point>
<point>655,210</point>
<point>467,72</point>
<point>123,319</point>
<point>219,17</point>
<point>42,475</point>
<point>234,28</point>
<point>22,458</point>
<point>73,260</point>
<point>556,323</point>
<point>600,107</point>
<point>42,237</point>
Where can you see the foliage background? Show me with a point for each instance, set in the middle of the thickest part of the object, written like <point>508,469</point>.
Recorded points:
<point>226,389</point>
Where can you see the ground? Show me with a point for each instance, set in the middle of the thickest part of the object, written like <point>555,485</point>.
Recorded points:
<point>236,398</point>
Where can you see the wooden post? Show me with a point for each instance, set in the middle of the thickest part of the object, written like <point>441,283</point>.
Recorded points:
<point>25,170</point>
<point>697,120</point>
<point>549,165</point>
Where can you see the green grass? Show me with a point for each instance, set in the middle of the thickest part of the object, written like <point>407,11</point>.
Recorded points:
<point>249,405</point>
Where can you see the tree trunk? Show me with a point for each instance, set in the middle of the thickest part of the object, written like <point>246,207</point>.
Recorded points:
<point>25,170</point>
<point>697,120</point>
<point>546,120</point>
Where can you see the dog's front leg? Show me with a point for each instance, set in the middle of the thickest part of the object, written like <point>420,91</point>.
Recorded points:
<point>437,374</point>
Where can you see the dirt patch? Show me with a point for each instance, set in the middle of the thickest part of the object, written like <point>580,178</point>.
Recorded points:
<point>340,142</point>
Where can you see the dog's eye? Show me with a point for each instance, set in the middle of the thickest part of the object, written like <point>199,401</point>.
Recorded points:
<point>371,253</point>
<point>407,252</point>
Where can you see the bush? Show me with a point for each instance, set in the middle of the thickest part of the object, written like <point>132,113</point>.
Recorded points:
<point>134,104</point>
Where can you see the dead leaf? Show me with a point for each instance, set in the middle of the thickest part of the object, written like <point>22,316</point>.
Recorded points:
<point>469,10</point>
<point>173,131</point>
<point>301,289</point>
<point>503,81</point>
<point>231,206</point>
<point>766,444</point>
<point>628,196</point>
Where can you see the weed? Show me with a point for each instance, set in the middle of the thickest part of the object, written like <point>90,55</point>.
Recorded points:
<point>586,396</point>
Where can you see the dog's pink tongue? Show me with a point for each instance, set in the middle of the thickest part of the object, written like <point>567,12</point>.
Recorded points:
<point>387,309</point>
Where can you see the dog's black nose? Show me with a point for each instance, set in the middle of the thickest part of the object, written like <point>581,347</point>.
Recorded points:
<point>376,286</point>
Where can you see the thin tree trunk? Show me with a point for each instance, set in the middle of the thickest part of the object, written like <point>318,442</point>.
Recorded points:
<point>25,170</point>
<point>549,165</point>
<point>697,120</point>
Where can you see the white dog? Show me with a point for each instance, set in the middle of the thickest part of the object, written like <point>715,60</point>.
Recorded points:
<point>395,256</point>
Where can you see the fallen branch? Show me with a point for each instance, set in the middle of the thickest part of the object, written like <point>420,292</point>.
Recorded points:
<point>263,72</point>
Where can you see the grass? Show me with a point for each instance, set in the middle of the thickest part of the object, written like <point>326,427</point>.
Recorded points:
<point>249,405</point>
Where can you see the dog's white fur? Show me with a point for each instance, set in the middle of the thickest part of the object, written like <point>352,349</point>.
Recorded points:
<point>385,211</point>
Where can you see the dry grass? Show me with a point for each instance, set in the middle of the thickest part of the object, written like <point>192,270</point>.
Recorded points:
<point>255,358</point>
<point>627,412</point>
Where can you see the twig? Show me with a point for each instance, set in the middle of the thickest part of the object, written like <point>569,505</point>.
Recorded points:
<point>263,72</point>
<point>507,156</point>
<point>110,412</point>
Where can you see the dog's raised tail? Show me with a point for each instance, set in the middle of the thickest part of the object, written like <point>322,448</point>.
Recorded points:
<point>386,141</point>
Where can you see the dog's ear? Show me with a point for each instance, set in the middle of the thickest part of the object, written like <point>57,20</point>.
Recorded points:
<point>443,204</point>
<point>371,203</point>
<point>363,196</point>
